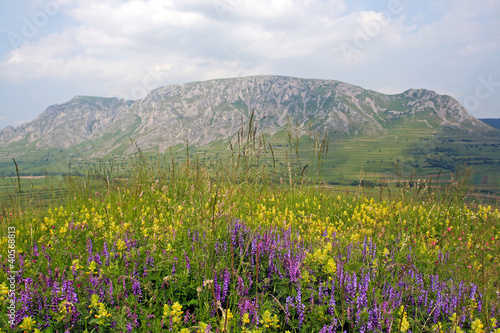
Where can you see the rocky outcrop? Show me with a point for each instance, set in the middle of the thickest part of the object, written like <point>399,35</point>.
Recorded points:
<point>201,112</point>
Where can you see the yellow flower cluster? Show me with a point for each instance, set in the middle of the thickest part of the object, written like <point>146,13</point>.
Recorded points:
<point>477,326</point>
<point>92,267</point>
<point>75,265</point>
<point>4,290</point>
<point>269,321</point>
<point>404,324</point>
<point>322,258</point>
<point>493,323</point>
<point>226,319</point>
<point>27,324</point>
<point>120,245</point>
<point>173,313</point>
<point>101,314</point>
<point>438,328</point>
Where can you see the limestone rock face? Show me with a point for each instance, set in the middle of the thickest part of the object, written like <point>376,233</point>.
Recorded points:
<point>201,112</point>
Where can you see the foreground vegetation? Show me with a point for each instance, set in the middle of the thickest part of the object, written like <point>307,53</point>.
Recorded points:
<point>240,249</point>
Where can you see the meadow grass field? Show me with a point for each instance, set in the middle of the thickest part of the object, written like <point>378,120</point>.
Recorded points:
<point>189,247</point>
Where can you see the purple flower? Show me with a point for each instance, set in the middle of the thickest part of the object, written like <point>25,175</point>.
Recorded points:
<point>217,289</point>
<point>292,265</point>
<point>327,329</point>
<point>136,289</point>
<point>352,284</point>
<point>364,250</point>
<point>35,250</point>
<point>89,250</point>
<point>473,289</point>
<point>289,302</point>
<point>188,266</point>
<point>331,308</point>
<point>374,319</point>
<point>173,266</point>
<point>148,263</point>
<point>320,294</point>
<point>299,306</point>
<point>106,253</point>
<point>110,291</point>
<point>250,307</point>
<point>240,287</point>
<point>225,286</point>
<point>187,317</point>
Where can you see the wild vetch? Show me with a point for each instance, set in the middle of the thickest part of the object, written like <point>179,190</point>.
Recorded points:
<point>300,306</point>
<point>188,266</point>
<point>225,285</point>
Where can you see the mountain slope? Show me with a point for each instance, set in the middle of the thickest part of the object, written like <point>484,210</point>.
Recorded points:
<point>201,112</point>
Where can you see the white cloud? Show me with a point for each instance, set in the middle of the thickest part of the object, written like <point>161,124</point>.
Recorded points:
<point>117,39</point>
<point>114,46</point>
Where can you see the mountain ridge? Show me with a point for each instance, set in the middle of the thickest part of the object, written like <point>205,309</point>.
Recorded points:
<point>174,114</point>
<point>493,122</point>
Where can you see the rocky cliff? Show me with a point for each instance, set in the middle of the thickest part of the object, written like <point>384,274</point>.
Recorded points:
<point>201,112</point>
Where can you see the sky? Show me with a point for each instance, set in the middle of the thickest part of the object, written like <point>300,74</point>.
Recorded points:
<point>53,50</point>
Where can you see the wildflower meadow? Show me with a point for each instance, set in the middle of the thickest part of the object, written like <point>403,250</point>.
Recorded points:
<point>184,250</point>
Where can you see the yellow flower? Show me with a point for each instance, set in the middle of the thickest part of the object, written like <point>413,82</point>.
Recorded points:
<point>226,319</point>
<point>437,327</point>
<point>477,326</point>
<point>4,290</point>
<point>102,313</point>
<point>405,325</point>
<point>202,327</point>
<point>92,266</point>
<point>120,245</point>
<point>166,310</point>
<point>75,264</point>
<point>246,318</point>
<point>269,320</point>
<point>94,300</point>
<point>229,315</point>
<point>175,312</point>
<point>27,324</point>
<point>331,266</point>
<point>62,308</point>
